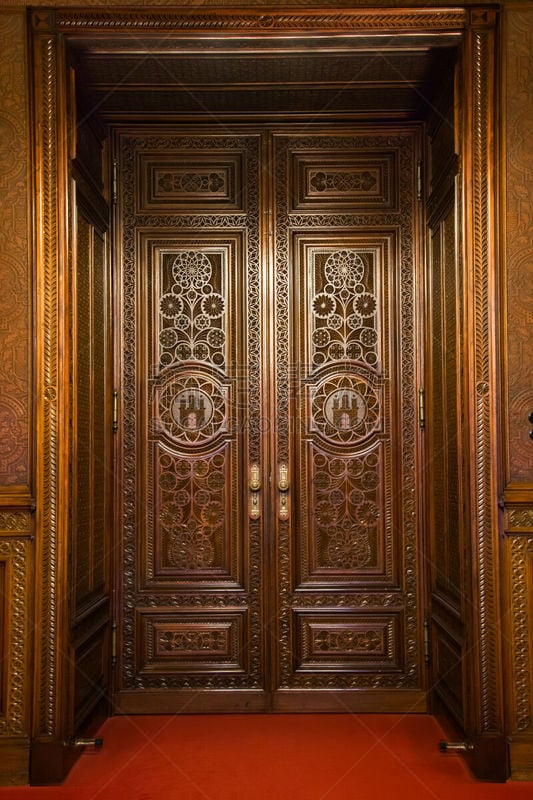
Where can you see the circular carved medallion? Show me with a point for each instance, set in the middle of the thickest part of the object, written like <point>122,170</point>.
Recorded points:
<point>345,408</point>
<point>191,410</point>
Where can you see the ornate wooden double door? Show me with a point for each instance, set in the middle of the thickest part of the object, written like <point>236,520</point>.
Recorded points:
<point>268,476</point>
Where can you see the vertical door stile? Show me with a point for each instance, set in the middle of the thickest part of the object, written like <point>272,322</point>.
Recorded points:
<point>269,420</point>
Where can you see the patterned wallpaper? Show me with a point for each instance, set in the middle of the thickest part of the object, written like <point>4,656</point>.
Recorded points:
<point>519,240</point>
<point>14,261</point>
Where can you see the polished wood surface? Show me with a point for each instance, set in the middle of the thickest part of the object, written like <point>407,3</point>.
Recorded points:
<point>311,388</point>
<point>446,450</point>
<point>489,710</point>
<point>91,503</point>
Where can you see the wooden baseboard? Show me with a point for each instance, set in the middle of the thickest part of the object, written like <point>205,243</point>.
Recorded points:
<point>521,756</point>
<point>14,761</point>
<point>489,757</point>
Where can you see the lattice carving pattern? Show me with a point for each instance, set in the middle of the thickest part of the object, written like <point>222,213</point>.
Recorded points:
<point>191,515</point>
<point>344,319</point>
<point>346,503</point>
<point>192,311</point>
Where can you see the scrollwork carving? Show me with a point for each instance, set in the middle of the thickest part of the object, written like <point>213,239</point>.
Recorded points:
<point>348,641</point>
<point>520,518</point>
<point>192,641</point>
<point>15,521</point>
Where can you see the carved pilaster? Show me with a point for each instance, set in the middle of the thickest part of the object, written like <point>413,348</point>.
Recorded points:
<point>51,389</point>
<point>479,158</point>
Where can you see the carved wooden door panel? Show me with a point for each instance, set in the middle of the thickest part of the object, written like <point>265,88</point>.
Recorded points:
<point>297,357</point>
<point>191,584</point>
<point>349,595</point>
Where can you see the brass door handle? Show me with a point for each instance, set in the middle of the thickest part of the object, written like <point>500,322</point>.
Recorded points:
<point>283,486</point>
<point>255,488</point>
<point>283,480</point>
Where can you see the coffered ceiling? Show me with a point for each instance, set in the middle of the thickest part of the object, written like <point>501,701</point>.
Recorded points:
<point>219,76</point>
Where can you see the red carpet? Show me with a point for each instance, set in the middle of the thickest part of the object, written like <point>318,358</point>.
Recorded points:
<point>281,757</point>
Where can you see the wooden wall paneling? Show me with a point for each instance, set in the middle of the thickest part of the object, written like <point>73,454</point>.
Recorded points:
<point>16,577</point>
<point>16,501</point>
<point>15,307</point>
<point>517,625</point>
<point>517,199</point>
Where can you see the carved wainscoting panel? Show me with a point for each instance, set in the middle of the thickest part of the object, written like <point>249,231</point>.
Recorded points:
<point>16,524</point>
<point>16,575</point>
<point>518,622</point>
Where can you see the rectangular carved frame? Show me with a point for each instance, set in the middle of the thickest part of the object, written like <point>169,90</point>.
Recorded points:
<point>49,29</point>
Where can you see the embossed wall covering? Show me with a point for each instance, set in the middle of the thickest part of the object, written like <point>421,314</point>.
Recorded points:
<point>519,234</point>
<point>518,385</point>
<point>14,247</point>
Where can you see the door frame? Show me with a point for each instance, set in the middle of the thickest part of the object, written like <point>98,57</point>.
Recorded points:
<point>50,32</point>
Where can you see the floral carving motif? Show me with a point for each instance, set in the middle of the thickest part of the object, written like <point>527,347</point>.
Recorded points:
<point>191,311</point>
<point>348,641</point>
<point>191,510</point>
<point>196,182</point>
<point>342,181</point>
<point>344,310</point>
<point>345,499</point>
<point>192,641</point>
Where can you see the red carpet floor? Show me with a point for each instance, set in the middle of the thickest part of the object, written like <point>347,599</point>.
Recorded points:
<point>282,757</point>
